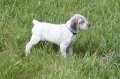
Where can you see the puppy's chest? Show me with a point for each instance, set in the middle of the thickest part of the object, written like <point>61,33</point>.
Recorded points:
<point>73,37</point>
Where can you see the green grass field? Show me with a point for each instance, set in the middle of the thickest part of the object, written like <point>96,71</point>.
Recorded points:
<point>96,51</point>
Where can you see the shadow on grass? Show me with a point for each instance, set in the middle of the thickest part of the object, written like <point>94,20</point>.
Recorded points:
<point>47,46</point>
<point>81,49</point>
<point>78,49</point>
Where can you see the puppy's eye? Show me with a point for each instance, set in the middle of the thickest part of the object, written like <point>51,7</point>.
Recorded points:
<point>82,21</point>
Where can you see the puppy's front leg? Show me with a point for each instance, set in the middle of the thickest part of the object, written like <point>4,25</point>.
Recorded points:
<point>70,50</point>
<point>63,50</point>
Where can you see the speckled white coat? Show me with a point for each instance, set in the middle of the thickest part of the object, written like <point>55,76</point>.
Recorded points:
<point>60,34</point>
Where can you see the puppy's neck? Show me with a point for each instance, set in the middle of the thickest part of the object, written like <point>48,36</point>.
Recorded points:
<point>71,29</point>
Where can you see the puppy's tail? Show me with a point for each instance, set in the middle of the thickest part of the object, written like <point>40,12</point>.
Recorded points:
<point>35,21</point>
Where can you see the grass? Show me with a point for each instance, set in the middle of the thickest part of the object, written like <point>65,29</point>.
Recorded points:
<point>96,51</point>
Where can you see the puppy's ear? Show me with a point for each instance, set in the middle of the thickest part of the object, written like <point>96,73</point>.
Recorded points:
<point>73,24</point>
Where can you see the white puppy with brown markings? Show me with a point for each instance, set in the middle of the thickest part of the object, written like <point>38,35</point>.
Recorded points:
<point>60,34</point>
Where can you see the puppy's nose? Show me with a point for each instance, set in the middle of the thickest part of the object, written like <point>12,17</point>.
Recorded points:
<point>88,24</point>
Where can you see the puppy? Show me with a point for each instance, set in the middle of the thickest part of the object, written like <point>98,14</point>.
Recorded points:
<point>60,34</point>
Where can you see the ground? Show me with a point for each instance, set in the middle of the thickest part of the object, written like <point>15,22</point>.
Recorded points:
<point>96,51</point>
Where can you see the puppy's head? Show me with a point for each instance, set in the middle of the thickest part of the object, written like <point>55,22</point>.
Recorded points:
<point>79,22</point>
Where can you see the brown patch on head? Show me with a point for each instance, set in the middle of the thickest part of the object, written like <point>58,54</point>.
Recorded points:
<point>73,24</point>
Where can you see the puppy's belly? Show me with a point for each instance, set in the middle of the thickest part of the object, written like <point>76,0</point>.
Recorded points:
<point>51,38</point>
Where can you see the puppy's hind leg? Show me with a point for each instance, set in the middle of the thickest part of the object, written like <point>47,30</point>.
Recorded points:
<point>34,40</point>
